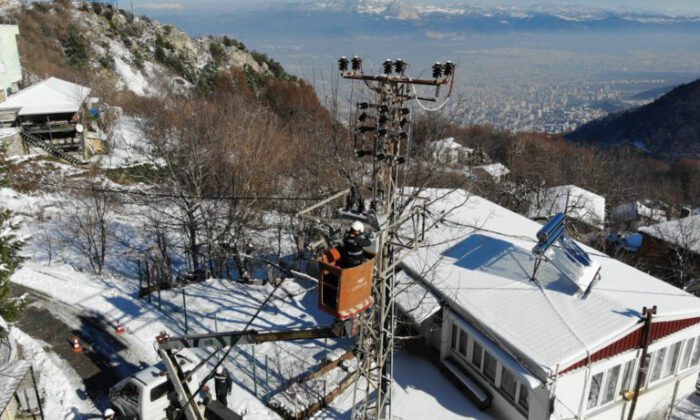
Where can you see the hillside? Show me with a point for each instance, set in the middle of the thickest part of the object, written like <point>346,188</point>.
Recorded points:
<point>114,51</point>
<point>668,128</point>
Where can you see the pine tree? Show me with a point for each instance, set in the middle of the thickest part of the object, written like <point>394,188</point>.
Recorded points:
<point>10,260</point>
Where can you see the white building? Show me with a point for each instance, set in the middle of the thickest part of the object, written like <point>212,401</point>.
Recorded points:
<point>495,171</point>
<point>577,203</point>
<point>10,68</point>
<point>538,349</point>
<point>639,210</point>
<point>448,151</point>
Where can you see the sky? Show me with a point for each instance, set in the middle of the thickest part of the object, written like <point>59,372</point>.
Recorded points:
<point>663,6</point>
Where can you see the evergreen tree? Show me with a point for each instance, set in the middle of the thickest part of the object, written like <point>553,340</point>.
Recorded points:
<point>10,259</point>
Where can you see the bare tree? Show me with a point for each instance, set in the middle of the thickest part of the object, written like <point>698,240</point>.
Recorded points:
<point>88,228</point>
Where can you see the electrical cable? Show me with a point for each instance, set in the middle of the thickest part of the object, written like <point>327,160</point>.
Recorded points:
<point>439,107</point>
<point>245,329</point>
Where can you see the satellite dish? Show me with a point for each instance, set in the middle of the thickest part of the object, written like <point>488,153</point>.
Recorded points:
<point>79,128</point>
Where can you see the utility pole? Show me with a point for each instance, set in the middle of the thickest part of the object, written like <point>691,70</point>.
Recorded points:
<point>382,134</point>
<point>648,314</point>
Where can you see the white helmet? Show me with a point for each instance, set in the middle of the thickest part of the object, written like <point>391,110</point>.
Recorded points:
<point>220,370</point>
<point>358,226</point>
<point>109,412</point>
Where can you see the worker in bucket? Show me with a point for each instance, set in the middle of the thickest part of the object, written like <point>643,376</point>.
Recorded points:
<point>222,384</point>
<point>353,243</point>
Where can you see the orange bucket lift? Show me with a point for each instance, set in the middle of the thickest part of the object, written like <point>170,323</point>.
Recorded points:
<point>344,292</point>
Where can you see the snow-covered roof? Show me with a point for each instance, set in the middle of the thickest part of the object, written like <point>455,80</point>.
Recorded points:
<point>576,202</point>
<point>414,300</point>
<point>478,260</point>
<point>449,143</point>
<point>50,96</point>
<point>496,170</point>
<point>11,376</point>
<point>684,233</point>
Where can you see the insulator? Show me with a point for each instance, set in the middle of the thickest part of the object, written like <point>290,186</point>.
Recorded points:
<point>388,66</point>
<point>448,69</point>
<point>383,119</point>
<point>356,63</point>
<point>343,64</point>
<point>400,66</point>
<point>362,105</point>
<point>383,109</point>
<point>382,132</point>
<point>403,122</point>
<point>365,129</point>
<point>404,111</point>
<point>437,70</point>
<point>363,116</point>
<point>403,136</point>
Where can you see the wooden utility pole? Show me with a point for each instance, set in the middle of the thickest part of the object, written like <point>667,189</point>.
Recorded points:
<point>642,371</point>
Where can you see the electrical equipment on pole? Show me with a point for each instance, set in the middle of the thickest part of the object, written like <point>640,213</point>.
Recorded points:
<point>382,134</point>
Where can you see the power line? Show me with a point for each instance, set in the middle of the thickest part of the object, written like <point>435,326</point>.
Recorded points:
<point>189,197</point>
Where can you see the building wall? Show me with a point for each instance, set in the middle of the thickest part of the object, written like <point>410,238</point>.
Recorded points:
<point>502,406</point>
<point>656,393</point>
<point>10,68</point>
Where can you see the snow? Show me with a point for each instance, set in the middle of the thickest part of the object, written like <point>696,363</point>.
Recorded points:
<point>495,170</point>
<point>479,260</point>
<point>49,96</point>
<point>127,145</point>
<point>684,233</point>
<point>130,77</point>
<point>61,389</point>
<point>576,202</point>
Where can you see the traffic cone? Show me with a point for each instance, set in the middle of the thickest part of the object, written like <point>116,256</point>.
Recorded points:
<point>120,328</point>
<point>76,346</point>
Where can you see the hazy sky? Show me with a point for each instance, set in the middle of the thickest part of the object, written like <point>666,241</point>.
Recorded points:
<point>666,6</point>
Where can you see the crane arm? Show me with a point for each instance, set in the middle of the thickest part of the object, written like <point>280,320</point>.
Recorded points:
<point>225,339</point>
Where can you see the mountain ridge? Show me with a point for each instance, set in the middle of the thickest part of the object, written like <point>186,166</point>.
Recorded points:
<point>667,128</point>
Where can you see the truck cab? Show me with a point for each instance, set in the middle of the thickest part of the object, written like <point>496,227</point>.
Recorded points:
<point>144,395</point>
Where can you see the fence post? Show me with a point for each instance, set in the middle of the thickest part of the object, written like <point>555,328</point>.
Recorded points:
<point>148,282</point>
<point>184,306</point>
<point>267,382</point>
<point>216,323</point>
<point>36,391</point>
<point>255,376</point>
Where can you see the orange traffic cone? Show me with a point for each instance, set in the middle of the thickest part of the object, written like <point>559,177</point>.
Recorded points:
<point>76,346</point>
<point>120,328</point>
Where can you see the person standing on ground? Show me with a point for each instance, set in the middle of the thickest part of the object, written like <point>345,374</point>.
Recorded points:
<point>222,384</point>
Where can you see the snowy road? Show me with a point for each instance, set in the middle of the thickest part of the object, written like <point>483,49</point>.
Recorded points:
<point>104,359</point>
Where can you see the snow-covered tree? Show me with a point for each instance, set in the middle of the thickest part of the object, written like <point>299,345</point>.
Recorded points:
<point>10,260</point>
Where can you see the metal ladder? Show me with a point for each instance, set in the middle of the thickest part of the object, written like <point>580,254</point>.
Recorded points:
<point>51,149</point>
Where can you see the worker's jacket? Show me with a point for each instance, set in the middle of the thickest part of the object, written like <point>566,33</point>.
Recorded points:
<point>352,249</point>
<point>222,382</point>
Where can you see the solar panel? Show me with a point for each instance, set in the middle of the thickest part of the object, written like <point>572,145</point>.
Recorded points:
<point>567,257</point>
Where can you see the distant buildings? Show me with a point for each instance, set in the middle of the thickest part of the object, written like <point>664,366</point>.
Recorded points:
<point>10,69</point>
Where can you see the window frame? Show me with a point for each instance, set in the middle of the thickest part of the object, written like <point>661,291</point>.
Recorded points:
<point>608,376</point>
<point>688,347</point>
<point>596,403</point>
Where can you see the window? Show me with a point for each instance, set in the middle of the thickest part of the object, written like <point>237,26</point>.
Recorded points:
<point>672,360</point>
<point>523,398</point>
<point>686,355</point>
<point>508,383</point>
<point>595,390</point>
<point>611,384</point>
<point>656,368</point>
<point>455,332</point>
<point>696,353</point>
<point>627,375</point>
<point>489,366</point>
<point>462,343</point>
<point>160,390</point>
<point>476,356</point>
